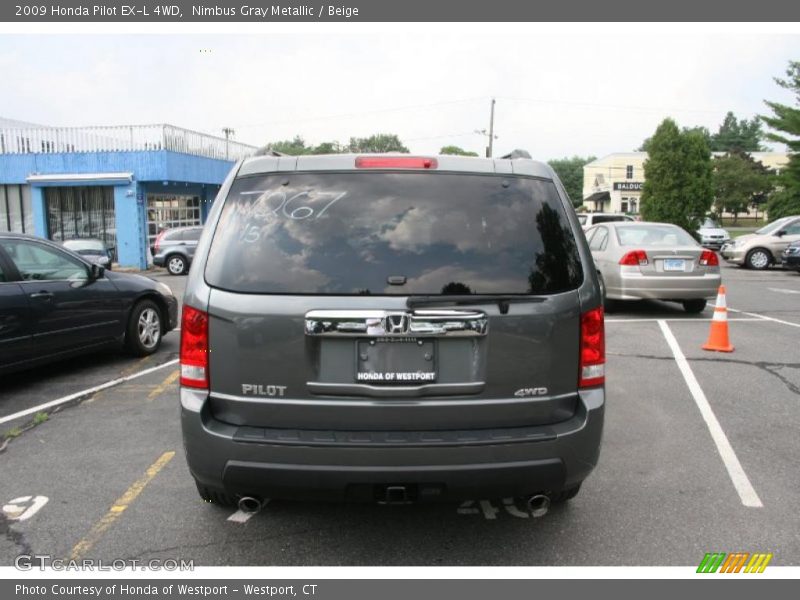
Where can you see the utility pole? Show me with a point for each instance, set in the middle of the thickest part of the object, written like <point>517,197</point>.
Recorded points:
<point>492,136</point>
<point>228,131</point>
<point>491,132</point>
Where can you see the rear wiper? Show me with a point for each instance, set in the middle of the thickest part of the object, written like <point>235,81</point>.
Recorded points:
<point>503,301</point>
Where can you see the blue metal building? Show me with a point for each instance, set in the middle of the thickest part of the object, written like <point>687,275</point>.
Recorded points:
<point>122,184</point>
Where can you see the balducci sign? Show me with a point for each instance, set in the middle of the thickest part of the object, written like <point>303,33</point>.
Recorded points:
<point>628,186</point>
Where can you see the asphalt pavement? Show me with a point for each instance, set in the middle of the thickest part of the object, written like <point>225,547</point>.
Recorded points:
<point>700,454</point>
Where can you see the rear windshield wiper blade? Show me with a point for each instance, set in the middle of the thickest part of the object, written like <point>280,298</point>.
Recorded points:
<point>503,300</point>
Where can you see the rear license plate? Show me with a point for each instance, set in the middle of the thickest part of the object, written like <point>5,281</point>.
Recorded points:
<point>404,361</point>
<point>674,264</point>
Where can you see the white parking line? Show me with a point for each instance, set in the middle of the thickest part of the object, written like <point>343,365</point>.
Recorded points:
<point>681,320</point>
<point>784,291</point>
<point>747,493</point>
<point>763,317</point>
<point>86,392</point>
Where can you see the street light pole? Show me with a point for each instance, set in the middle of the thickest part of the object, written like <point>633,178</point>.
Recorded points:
<point>491,132</point>
<point>228,131</point>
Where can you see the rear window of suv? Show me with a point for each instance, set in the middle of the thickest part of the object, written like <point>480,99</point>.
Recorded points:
<point>348,233</point>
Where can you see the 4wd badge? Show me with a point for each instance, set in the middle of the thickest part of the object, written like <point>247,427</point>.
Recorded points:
<point>526,392</point>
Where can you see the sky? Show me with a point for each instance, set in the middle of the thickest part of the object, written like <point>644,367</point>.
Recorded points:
<point>557,94</point>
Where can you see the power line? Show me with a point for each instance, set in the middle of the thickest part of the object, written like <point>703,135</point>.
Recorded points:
<point>659,109</point>
<point>362,113</point>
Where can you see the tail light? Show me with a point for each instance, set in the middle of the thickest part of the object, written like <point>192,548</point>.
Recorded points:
<point>194,348</point>
<point>158,240</point>
<point>709,259</point>
<point>396,162</point>
<point>593,349</point>
<point>634,258</point>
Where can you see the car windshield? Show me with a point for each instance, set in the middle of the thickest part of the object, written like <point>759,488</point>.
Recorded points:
<point>774,226</point>
<point>431,233</point>
<point>654,235</point>
<point>710,224</point>
<point>85,245</point>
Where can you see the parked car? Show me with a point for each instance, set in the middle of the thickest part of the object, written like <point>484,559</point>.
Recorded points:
<point>589,219</point>
<point>763,248</point>
<point>174,249</point>
<point>660,261</point>
<point>711,235</point>
<point>91,249</point>
<point>391,328</point>
<point>54,304</point>
<point>791,256</point>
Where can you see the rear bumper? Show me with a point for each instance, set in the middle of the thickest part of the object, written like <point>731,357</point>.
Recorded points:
<point>359,465</point>
<point>661,287</point>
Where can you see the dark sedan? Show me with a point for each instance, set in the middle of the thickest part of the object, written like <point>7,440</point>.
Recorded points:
<point>55,304</point>
<point>791,256</point>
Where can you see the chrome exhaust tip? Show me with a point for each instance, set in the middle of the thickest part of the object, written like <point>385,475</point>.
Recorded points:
<point>250,505</point>
<point>539,505</point>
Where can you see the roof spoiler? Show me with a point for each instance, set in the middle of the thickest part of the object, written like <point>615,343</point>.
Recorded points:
<point>517,154</point>
<point>267,151</point>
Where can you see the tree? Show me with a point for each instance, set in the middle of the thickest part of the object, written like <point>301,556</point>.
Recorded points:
<point>570,172</point>
<point>455,150</point>
<point>678,185</point>
<point>703,131</point>
<point>736,135</point>
<point>785,123</point>
<point>380,142</point>
<point>738,181</point>
<point>295,147</point>
<point>328,148</point>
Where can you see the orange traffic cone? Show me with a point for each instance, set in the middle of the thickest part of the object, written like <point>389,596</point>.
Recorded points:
<point>718,337</point>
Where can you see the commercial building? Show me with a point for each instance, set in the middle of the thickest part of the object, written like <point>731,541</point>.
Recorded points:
<point>122,184</point>
<point>614,183</point>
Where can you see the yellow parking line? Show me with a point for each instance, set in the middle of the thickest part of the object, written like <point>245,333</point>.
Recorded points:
<point>96,532</point>
<point>161,387</point>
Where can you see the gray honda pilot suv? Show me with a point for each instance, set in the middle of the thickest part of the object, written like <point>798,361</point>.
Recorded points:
<point>391,328</point>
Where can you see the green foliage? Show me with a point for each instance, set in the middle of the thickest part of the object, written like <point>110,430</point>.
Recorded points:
<point>328,148</point>
<point>736,135</point>
<point>380,142</point>
<point>678,185</point>
<point>785,123</point>
<point>455,150</point>
<point>40,417</point>
<point>570,172</point>
<point>739,182</point>
<point>295,147</point>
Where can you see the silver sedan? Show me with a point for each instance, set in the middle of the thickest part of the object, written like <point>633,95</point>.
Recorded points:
<point>653,260</point>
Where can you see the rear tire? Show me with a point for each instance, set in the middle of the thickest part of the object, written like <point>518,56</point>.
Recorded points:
<point>176,264</point>
<point>565,495</point>
<point>145,328</point>
<point>758,259</point>
<point>608,305</point>
<point>694,306</point>
<point>213,496</point>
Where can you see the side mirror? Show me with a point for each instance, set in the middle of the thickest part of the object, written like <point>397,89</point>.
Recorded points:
<point>780,233</point>
<point>97,271</point>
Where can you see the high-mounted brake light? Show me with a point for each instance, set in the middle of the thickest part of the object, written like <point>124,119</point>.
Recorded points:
<point>593,349</point>
<point>709,259</point>
<point>194,348</point>
<point>396,162</point>
<point>634,258</point>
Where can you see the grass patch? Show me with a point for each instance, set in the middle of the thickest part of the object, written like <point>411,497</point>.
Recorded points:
<point>735,233</point>
<point>13,432</point>
<point>40,418</point>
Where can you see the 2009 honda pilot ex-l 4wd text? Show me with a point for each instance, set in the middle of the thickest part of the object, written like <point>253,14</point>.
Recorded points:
<point>391,328</point>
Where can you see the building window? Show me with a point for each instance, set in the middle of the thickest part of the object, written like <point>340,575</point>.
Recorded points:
<point>624,205</point>
<point>633,206</point>
<point>629,172</point>
<point>81,212</point>
<point>15,208</point>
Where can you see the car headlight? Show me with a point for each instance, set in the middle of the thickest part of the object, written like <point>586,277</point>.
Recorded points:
<point>163,288</point>
<point>103,260</point>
